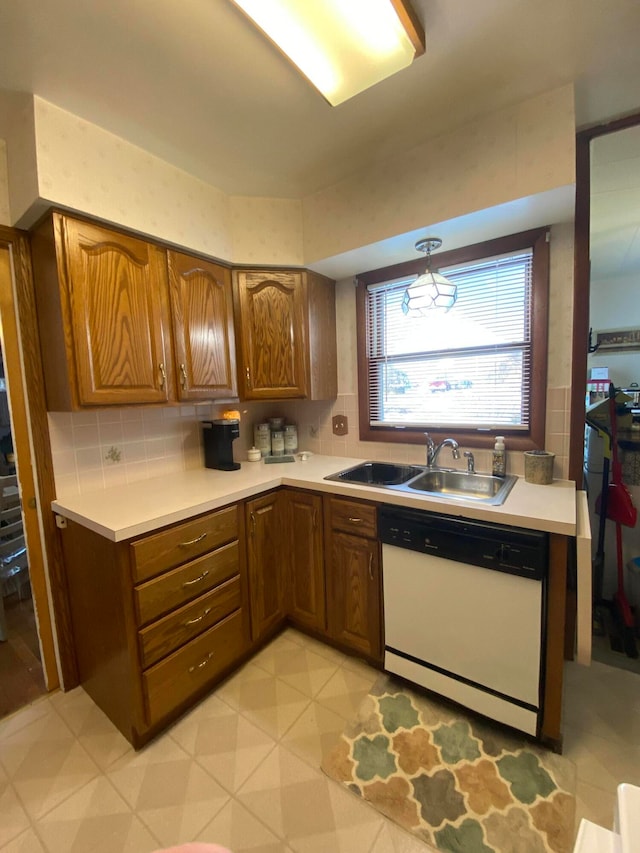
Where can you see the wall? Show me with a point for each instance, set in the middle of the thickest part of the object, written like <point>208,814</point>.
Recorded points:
<point>511,154</point>
<point>92,450</point>
<point>519,151</point>
<point>5,216</point>
<point>614,305</point>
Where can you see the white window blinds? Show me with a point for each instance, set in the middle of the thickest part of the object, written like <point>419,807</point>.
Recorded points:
<point>469,367</point>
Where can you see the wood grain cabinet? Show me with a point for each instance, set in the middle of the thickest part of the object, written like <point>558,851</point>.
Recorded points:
<point>112,307</point>
<point>266,562</point>
<point>159,619</point>
<point>286,335</point>
<point>353,575</point>
<point>305,586</point>
<point>202,317</point>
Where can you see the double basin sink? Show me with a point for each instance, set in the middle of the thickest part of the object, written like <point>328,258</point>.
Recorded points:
<point>435,482</point>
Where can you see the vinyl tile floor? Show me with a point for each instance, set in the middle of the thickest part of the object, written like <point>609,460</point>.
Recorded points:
<point>242,768</point>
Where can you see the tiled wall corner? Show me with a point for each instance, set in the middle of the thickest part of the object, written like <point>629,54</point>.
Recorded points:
<point>112,447</point>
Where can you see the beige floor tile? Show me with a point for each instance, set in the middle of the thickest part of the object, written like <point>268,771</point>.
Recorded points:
<point>594,804</point>
<point>14,819</point>
<point>46,764</point>
<point>236,828</point>
<point>168,790</point>
<point>225,743</point>
<point>322,649</point>
<point>102,740</point>
<point>308,811</point>
<point>24,717</point>
<point>601,762</point>
<point>344,691</point>
<point>314,733</point>
<point>268,702</point>
<point>394,839</point>
<point>28,842</point>
<point>84,820</point>
<point>296,665</point>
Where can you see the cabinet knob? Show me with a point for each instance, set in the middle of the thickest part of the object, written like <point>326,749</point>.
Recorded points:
<point>370,566</point>
<point>163,375</point>
<point>183,376</point>
<point>248,378</point>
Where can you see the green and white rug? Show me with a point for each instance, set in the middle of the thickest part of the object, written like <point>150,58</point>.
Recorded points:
<point>461,784</point>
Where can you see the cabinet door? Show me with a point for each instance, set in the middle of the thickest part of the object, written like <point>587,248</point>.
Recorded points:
<point>266,554</point>
<point>117,292</point>
<point>202,316</point>
<point>305,587</point>
<point>272,335</point>
<point>354,593</point>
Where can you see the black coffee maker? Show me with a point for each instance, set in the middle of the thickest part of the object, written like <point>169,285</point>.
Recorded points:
<point>218,439</point>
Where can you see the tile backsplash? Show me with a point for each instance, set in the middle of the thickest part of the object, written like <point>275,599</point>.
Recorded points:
<point>112,447</point>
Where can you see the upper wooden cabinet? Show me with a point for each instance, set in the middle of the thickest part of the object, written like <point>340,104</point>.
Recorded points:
<point>286,335</point>
<point>202,315</point>
<point>108,327</point>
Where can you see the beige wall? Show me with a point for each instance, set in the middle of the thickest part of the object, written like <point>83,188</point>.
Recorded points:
<point>65,160</point>
<point>510,154</point>
<point>5,215</point>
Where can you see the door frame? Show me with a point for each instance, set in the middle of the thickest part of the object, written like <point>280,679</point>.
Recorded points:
<point>582,285</point>
<point>33,450</point>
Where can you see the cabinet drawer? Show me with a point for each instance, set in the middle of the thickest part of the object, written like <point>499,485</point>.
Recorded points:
<point>177,587</point>
<point>170,683</point>
<point>172,631</point>
<point>156,554</point>
<point>353,517</point>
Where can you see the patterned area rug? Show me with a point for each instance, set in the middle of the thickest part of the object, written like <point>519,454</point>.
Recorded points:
<point>460,783</point>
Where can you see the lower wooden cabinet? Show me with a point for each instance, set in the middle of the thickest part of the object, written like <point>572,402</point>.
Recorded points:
<point>157,620</point>
<point>353,575</point>
<point>305,587</point>
<point>266,562</point>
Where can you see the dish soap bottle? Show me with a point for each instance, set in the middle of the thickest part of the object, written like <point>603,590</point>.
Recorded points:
<point>499,458</point>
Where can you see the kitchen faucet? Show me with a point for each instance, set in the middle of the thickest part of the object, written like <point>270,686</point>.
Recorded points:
<point>433,450</point>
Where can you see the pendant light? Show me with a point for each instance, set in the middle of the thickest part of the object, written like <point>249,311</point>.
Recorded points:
<point>430,291</point>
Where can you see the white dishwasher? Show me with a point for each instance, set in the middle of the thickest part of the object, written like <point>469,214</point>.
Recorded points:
<point>464,611</point>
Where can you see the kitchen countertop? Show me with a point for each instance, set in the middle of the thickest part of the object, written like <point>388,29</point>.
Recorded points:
<point>123,512</point>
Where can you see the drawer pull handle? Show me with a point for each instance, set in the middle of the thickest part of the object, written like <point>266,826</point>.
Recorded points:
<point>198,579</point>
<point>183,376</point>
<point>198,618</point>
<point>163,375</point>
<point>371,566</point>
<point>202,663</point>
<point>192,541</point>
<point>355,520</point>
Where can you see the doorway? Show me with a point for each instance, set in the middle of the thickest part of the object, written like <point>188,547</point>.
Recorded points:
<point>27,658</point>
<point>607,351</point>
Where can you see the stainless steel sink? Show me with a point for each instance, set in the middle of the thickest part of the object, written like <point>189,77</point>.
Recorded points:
<point>377,474</point>
<point>446,483</point>
<point>437,482</point>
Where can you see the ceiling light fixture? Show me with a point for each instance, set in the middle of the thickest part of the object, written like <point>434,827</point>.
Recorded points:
<point>342,46</point>
<point>430,290</point>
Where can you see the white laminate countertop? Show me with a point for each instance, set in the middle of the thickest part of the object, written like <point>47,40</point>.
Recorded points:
<point>126,511</point>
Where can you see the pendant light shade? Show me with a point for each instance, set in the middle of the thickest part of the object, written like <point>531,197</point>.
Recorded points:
<point>430,291</point>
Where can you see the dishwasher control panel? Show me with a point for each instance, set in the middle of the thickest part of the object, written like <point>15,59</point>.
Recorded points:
<point>514,550</point>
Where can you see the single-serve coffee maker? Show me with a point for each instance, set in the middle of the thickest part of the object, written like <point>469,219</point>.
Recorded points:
<point>218,438</point>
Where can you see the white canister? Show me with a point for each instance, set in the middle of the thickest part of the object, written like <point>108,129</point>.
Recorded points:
<point>277,443</point>
<point>262,438</point>
<point>290,438</point>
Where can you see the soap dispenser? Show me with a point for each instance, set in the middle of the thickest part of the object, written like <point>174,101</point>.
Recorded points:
<point>499,468</point>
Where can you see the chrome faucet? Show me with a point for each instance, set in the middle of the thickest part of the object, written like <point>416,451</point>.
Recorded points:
<point>471,462</point>
<point>433,450</point>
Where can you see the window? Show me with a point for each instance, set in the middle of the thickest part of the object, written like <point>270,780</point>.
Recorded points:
<point>475,371</point>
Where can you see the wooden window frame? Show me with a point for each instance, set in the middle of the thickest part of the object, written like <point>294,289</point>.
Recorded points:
<point>536,239</point>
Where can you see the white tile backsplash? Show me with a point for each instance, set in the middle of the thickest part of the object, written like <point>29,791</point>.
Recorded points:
<point>155,442</point>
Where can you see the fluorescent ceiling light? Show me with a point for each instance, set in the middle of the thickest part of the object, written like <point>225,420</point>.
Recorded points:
<point>342,46</point>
